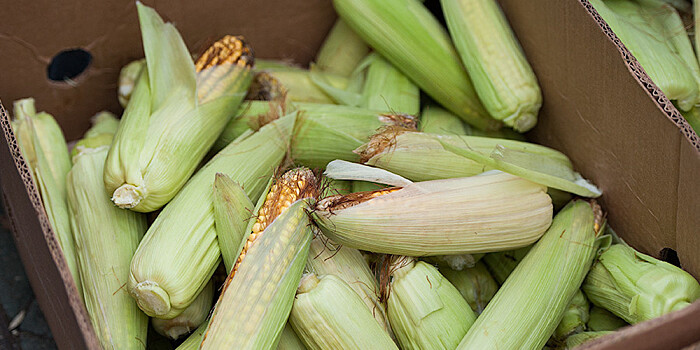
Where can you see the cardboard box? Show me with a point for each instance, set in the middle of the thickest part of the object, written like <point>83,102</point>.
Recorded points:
<point>599,108</point>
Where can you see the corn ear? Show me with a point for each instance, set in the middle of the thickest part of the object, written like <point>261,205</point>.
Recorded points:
<point>455,262</point>
<point>348,264</point>
<point>636,287</point>
<point>127,80</point>
<point>295,84</point>
<point>232,211</point>
<point>333,187</point>
<point>554,268</point>
<point>104,122</point>
<point>188,320</point>
<point>289,340</point>
<point>180,251</point>
<point>44,148</point>
<point>255,304</point>
<point>485,213</point>
<point>328,314</point>
<point>641,31</point>
<point>436,120</point>
<point>421,157</point>
<point>502,77</point>
<point>475,284</point>
<point>425,310</point>
<point>341,51</point>
<point>324,133</point>
<point>195,339</point>
<point>262,64</point>
<point>177,108</point>
<point>603,320</point>
<point>576,340</point>
<point>387,89</point>
<point>106,238</point>
<point>575,317</point>
<point>409,37</point>
<point>251,115</point>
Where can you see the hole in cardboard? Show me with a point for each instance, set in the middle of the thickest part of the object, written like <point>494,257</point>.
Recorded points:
<point>68,64</point>
<point>670,256</point>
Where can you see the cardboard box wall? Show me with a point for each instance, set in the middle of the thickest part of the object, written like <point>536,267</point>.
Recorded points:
<point>599,108</point>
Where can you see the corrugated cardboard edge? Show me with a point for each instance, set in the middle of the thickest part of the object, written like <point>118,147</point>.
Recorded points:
<point>39,249</point>
<point>638,71</point>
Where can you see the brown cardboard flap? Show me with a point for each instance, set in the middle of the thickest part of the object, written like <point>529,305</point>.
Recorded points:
<point>39,249</point>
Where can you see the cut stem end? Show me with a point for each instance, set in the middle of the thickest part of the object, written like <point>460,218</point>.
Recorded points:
<point>126,196</point>
<point>151,298</point>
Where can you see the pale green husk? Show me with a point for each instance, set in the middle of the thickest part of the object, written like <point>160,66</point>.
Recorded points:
<point>127,80</point>
<point>232,211</point>
<point>490,212</point>
<point>253,309</point>
<point>342,50</point>
<point>249,116</point>
<point>475,284</point>
<point>575,317</point>
<point>425,310</point>
<point>502,77</point>
<point>289,340</point>
<point>604,320</point>
<point>195,339</point>
<point>328,314</point>
<point>501,264</point>
<point>407,35</point>
<point>541,286</point>
<point>106,238</point>
<point>578,339</point>
<point>636,287</point>
<point>436,120</point>
<point>180,251</point>
<point>173,118</point>
<point>387,89</point>
<point>188,320</point>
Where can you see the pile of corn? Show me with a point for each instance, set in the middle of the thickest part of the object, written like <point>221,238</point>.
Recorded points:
<point>514,253</point>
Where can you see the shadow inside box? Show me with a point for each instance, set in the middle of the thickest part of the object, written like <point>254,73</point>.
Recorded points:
<point>22,324</point>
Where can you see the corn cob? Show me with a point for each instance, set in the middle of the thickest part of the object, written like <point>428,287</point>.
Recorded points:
<point>502,77</point>
<point>425,310</point>
<point>435,119</point>
<point>251,115</point>
<point>106,238</point>
<point>44,149</point>
<point>603,320</point>
<point>501,264</point>
<point>342,50</point>
<point>258,293</point>
<point>657,53</point>
<point>293,83</point>
<point>177,108</point>
<point>421,157</point>
<point>180,251</point>
<point>554,267</point>
<point>328,258</point>
<point>188,320</point>
<point>542,169</point>
<point>578,339</point>
<point>324,133</point>
<point>490,212</point>
<point>387,89</point>
<point>475,284</point>
<point>127,80</point>
<point>575,317</point>
<point>232,210</point>
<point>328,314</point>
<point>195,339</point>
<point>408,36</point>
<point>289,340</point>
<point>636,287</point>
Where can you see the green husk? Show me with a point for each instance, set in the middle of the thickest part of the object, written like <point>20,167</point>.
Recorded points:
<point>104,122</point>
<point>43,147</point>
<point>475,284</point>
<point>542,285</point>
<point>485,213</point>
<point>297,85</point>
<point>195,339</point>
<point>662,50</point>
<point>188,320</point>
<point>693,117</point>
<point>501,264</point>
<point>342,50</point>
<point>262,64</point>
<point>250,115</point>
<point>408,36</point>
<point>575,317</point>
<point>455,262</point>
<point>106,238</point>
<point>328,314</point>
<point>173,118</point>
<point>334,187</point>
<point>425,310</point>
<point>421,157</point>
<point>502,77</point>
<point>603,320</point>
<point>324,133</point>
<point>581,338</point>
<point>180,251</point>
<point>437,120</point>
<point>127,80</point>
<point>255,304</point>
<point>387,89</point>
<point>232,211</point>
<point>289,340</point>
<point>328,258</point>
<point>363,186</point>
<point>636,287</point>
